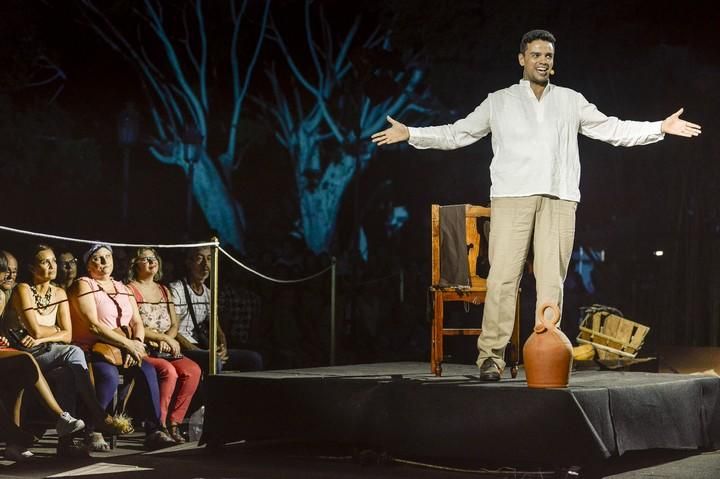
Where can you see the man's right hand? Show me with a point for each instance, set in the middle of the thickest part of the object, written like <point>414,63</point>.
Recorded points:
<point>395,134</point>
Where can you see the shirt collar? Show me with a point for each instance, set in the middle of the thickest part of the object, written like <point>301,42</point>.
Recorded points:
<point>526,85</point>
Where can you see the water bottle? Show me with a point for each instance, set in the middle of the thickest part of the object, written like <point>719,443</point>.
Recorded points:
<point>196,424</point>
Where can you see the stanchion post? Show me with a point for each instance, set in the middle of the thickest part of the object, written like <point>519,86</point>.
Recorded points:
<point>214,306</point>
<point>332,311</point>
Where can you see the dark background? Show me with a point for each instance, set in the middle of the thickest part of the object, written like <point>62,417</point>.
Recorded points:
<point>61,164</point>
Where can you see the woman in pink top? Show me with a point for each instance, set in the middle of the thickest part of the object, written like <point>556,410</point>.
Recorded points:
<point>98,305</point>
<point>178,376</point>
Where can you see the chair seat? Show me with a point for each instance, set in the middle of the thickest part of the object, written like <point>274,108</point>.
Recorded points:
<point>472,294</point>
<point>476,282</point>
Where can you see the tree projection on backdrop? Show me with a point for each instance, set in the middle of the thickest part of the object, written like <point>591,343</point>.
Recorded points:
<point>195,110</point>
<point>328,107</point>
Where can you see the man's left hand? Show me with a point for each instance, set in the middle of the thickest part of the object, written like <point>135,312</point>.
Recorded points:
<point>673,125</point>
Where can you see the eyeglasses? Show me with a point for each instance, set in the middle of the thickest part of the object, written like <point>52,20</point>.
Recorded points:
<point>146,259</point>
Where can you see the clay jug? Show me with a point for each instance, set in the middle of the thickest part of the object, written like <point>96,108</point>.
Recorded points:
<point>547,353</point>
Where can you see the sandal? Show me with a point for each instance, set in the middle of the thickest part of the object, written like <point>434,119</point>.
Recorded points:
<point>158,440</point>
<point>176,434</point>
<point>95,442</point>
<point>117,425</point>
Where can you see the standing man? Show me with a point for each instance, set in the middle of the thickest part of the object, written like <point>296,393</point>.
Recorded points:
<point>535,176</point>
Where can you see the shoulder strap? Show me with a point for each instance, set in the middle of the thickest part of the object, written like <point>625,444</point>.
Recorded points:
<point>117,305</point>
<point>136,292</point>
<point>165,296</point>
<point>191,310</point>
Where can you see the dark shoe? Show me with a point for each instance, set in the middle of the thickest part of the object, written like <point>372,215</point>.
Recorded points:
<point>489,371</point>
<point>16,453</point>
<point>68,448</point>
<point>176,434</point>
<point>158,440</point>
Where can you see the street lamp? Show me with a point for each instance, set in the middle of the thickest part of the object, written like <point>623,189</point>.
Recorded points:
<point>127,131</point>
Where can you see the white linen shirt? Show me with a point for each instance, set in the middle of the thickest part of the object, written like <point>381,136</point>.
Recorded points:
<point>534,142</point>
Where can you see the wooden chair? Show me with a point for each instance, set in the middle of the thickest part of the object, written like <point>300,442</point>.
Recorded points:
<point>474,293</point>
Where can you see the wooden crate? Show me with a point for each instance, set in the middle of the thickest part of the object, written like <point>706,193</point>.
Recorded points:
<point>612,336</point>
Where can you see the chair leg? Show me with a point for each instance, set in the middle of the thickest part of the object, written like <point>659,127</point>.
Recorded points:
<point>113,405</point>
<point>436,354</point>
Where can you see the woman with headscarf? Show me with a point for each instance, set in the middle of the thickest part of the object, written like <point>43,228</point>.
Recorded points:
<point>100,308</point>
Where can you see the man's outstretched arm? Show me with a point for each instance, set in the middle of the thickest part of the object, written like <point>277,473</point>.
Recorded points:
<point>673,125</point>
<point>395,134</point>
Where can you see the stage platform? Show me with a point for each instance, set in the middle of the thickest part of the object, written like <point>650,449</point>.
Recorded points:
<point>402,410</point>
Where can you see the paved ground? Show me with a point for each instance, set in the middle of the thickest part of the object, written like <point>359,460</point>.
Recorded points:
<point>278,461</point>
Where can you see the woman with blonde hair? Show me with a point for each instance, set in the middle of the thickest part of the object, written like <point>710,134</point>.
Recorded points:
<point>178,376</point>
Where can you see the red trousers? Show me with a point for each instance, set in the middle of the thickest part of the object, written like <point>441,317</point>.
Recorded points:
<point>178,379</point>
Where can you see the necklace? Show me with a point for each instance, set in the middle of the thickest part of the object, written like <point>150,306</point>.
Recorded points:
<point>42,302</point>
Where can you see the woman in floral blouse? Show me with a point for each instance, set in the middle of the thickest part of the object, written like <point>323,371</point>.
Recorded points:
<point>178,376</point>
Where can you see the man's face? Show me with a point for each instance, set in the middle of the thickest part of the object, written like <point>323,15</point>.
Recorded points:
<point>67,266</point>
<point>537,61</point>
<point>199,265</point>
<point>9,278</point>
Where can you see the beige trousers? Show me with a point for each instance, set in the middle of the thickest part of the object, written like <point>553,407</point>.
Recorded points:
<point>550,223</point>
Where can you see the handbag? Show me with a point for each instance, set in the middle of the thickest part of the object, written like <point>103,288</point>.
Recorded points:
<point>16,337</point>
<point>109,352</point>
<point>153,349</point>
<point>201,331</point>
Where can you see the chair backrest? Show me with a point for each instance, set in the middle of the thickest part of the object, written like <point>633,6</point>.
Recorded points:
<point>473,239</point>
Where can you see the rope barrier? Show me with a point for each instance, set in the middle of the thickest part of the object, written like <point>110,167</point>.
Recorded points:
<point>124,245</point>
<point>282,281</point>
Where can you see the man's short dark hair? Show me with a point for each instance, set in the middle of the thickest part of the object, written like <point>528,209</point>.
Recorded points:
<point>533,35</point>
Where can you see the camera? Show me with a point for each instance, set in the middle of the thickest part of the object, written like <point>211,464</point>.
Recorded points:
<point>18,334</point>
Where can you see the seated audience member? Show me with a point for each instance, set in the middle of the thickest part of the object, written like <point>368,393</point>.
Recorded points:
<point>178,376</point>
<point>66,270</point>
<point>18,370</point>
<point>10,277</point>
<point>192,305</point>
<point>17,442</point>
<point>41,325</point>
<point>100,306</point>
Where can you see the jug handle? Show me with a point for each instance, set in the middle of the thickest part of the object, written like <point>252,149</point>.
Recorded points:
<point>543,324</point>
